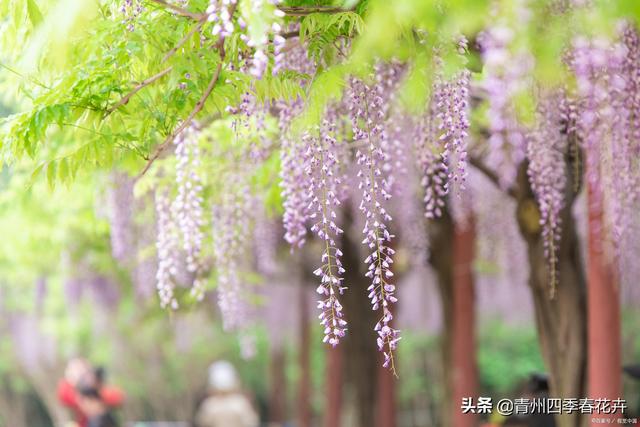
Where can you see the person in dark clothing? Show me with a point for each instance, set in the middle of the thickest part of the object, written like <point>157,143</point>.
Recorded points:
<point>537,387</point>
<point>98,414</point>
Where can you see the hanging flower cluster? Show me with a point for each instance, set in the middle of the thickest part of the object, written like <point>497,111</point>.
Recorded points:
<point>367,114</point>
<point>131,9</point>
<point>167,245</point>
<point>219,12</point>
<point>408,207</point>
<point>266,239</point>
<point>627,149</point>
<point>433,170</point>
<point>322,170</point>
<point>231,225</point>
<point>121,216</point>
<point>546,149</point>
<point>187,205</point>
<point>506,76</point>
<point>602,117</point>
<point>292,171</point>
<point>258,38</point>
<point>452,103</point>
<point>442,136</point>
<point>294,195</point>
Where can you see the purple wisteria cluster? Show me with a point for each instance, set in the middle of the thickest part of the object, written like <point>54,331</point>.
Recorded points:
<point>231,226</point>
<point>367,113</point>
<point>131,9</point>
<point>293,178</point>
<point>506,76</point>
<point>260,44</point>
<point>167,245</point>
<point>451,99</point>
<point>323,178</point>
<point>266,238</point>
<point>292,171</point>
<point>122,228</point>
<point>188,207</point>
<point>408,209</point>
<point>430,165</point>
<point>628,153</point>
<point>546,148</point>
<point>602,121</point>
<point>219,12</point>
<point>608,80</point>
<point>441,136</point>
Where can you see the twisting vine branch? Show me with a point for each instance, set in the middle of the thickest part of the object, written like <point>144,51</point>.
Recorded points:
<point>184,39</point>
<point>179,10</point>
<point>169,139</point>
<point>304,11</point>
<point>125,99</point>
<point>289,11</point>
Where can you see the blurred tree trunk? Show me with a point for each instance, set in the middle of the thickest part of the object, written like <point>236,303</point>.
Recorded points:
<point>453,264</point>
<point>333,386</point>
<point>361,360</point>
<point>278,388</point>
<point>374,393</point>
<point>386,397</point>
<point>45,387</point>
<point>561,320</point>
<point>464,373</point>
<point>604,362</point>
<point>441,237</point>
<point>13,402</point>
<point>304,388</point>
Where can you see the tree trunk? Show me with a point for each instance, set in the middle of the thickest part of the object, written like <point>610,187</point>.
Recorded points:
<point>333,386</point>
<point>386,397</point>
<point>604,366</point>
<point>464,373</point>
<point>278,388</point>
<point>304,388</point>
<point>561,320</point>
<point>441,237</point>
<point>360,342</point>
<point>453,263</point>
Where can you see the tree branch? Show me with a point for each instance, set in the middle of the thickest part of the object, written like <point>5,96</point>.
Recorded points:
<point>184,40</point>
<point>180,11</point>
<point>304,11</point>
<point>492,175</point>
<point>290,34</point>
<point>196,109</point>
<point>289,11</point>
<point>125,99</point>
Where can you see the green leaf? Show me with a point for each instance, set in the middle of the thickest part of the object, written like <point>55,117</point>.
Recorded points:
<point>35,174</point>
<point>51,174</point>
<point>35,16</point>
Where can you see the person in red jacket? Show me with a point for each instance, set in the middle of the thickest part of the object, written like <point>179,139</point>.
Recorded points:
<point>79,371</point>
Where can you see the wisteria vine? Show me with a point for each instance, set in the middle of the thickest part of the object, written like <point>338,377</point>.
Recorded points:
<point>367,115</point>
<point>322,168</point>
<point>601,113</point>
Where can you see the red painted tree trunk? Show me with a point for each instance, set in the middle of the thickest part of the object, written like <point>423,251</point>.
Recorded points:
<point>304,388</point>
<point>453,263</point>
<point>603,299</point>
<point>464,375</point>
<point>333,387</point>
<point>386,397</point>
